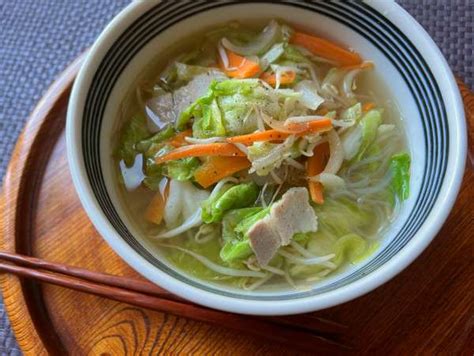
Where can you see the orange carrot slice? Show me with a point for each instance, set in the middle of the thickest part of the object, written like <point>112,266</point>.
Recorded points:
<point>218,167</point>
<point>368,106</point>
<point>240,67</point>
<point>326,49</point>
<point>201,150</point>
<point>286,78</point>
<point>298,129</point>
<point>178,140</point>
<point>315,165</point>
<point>155,209</point>
<point>268,135</point>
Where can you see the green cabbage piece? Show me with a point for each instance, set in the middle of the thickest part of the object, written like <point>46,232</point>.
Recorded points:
<point>210,123</point>
<point>234,197</point>
<point>133,132</point>
<point>224,107</point>
<point>235,225</point>
<point>400,167</point>
<point>293,55</point>
<point>352,113</point>
<point>339,217</point>
<point>350,247</point>
<point>370,123</point>
<point>155,172</point>
<point>161,136</point>
<point>182,169</point>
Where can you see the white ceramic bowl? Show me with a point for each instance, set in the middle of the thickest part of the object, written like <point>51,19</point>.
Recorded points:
<point>406,59</point>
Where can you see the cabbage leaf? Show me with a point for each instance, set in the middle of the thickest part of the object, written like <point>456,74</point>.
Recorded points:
<point>235,225</point>
<point>234,197</point>
<point>133,132</point>
<point>400,167</point>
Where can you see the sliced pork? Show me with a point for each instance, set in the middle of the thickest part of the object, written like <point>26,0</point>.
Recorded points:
<point>292,214</point>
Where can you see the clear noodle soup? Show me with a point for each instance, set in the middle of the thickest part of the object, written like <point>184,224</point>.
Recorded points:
<point>262,156</point>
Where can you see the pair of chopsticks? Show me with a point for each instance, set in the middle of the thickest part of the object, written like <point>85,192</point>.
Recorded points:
<point>304,331</point>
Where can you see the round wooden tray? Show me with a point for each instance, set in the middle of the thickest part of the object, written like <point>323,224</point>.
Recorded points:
<point>425,309</point>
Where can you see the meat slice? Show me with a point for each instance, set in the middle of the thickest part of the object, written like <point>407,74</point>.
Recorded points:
<point>264,241</point>
<point>291,215</point>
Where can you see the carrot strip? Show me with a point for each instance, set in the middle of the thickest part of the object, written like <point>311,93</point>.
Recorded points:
<point>156,208</point>
<point>298,129</point>
<point>178,140</point>
<point>241,67</point>
<point>368,106</point>
<point>315,165</point>
<point>310,126</point>
<point>218,167</point>
<point>326,49</point>
<point>200,150</point>
<point>286,78</point>
<point>268,135</point>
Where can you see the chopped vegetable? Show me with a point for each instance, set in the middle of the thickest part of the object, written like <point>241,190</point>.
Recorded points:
<point>235,197</point>
<point>370,123</point>
<point>182,169</point>
<point>217,167</point>
<point>239,67</point>
<point>267,135</point>
<point>155,210</point>
<point>298,129</point>
<point>326,49</point>
<point>315,165</point>
<point>201,150</point>
<point>159,137</point>
<point>368,106</point>
<point>179,139</point>
<point>400,166</point>
<point>259,44</point>
<point>235,225</point>
<point>133,132</point>
<point>286,77</point>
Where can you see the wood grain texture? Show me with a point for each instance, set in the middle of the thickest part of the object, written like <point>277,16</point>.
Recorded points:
<point>426,309</point>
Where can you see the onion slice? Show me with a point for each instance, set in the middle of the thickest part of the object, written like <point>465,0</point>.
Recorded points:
<point>263,41</point>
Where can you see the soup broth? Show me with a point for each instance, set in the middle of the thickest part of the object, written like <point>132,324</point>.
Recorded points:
<point>261,157</point>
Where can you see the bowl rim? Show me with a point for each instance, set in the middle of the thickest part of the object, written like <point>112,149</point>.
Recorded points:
<point>365,284</point>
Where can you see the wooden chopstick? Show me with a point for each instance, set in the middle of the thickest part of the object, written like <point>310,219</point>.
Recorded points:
<point>82,273</point>
<point>301,328</point>
<point>303,321</point>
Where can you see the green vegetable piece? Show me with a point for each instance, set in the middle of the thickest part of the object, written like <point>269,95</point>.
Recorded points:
<point>182,169</point>
<point>352,113</point>
<point>293,54</point>
<point>303,237</point>
<point>339,217</point>
<point>210,124</point>
<point>133,132</point>
<point>235,225</point>
<point>350,247</point>
<point>238,196</point>
<point>224,102</point>
<point>246,223</point>
<point>400,167</point>
<point>159,137</point>
<point>370,123</point>
<point>233,218</point>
